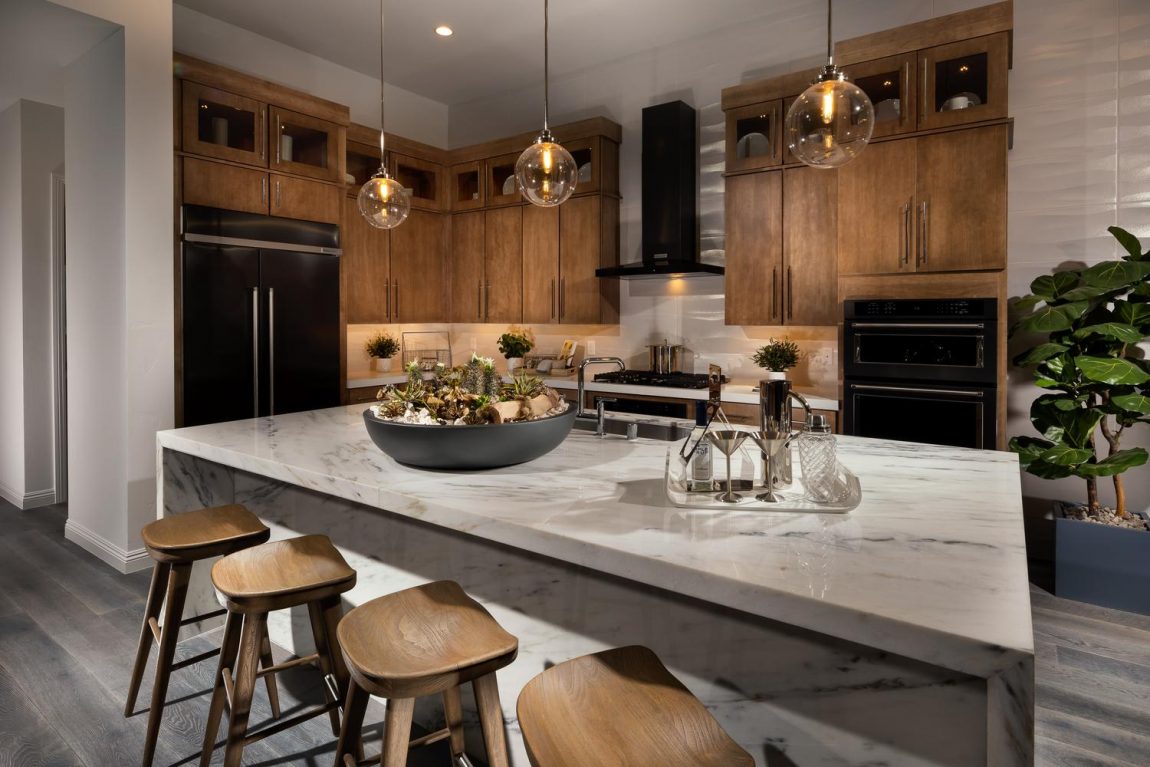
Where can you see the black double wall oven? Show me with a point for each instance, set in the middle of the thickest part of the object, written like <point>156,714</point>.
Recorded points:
<point>922,370</point>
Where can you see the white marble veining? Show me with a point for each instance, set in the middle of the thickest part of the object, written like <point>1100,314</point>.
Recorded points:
<point>931,565</point>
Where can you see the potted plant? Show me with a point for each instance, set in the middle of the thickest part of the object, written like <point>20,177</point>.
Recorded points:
<point>1087,324</point>
<point>514,344</point>
<point>777,357</point>
<point>381,348</point>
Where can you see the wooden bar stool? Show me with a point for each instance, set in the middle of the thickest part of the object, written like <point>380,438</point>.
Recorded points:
<point>275,576</point>
<point>616,708</point>
<point>422,641</point>
<point>175,543</point>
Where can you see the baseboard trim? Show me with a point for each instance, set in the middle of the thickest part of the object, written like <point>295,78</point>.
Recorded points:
<point>25,501</point>
<point>106,551</point>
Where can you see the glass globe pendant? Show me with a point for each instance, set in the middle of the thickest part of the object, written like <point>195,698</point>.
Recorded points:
<point>546,172</point>
<point>382,200</point>
<point>831,122</point>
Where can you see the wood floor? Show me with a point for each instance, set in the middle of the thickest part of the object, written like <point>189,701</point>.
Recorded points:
<point>68,626</point>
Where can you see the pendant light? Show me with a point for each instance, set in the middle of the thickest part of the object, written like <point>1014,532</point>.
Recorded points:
<point>831,122</point>
<point>382,200</point>
<point>546,172</point>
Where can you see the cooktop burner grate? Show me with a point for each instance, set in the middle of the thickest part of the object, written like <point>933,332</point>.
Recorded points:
<point>647,378</point>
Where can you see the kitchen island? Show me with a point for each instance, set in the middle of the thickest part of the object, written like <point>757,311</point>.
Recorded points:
<point>896,634</point>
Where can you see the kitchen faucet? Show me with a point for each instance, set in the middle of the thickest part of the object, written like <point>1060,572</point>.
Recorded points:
<point>579,412</point>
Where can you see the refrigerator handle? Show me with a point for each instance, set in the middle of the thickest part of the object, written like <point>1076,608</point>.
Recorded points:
<point>255,352</point>
<point>271,351</point>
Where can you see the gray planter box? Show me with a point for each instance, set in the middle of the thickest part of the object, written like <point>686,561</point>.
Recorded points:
<point>1100,564</point>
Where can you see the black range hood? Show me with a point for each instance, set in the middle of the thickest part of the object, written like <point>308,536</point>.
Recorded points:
<point>670,204</point>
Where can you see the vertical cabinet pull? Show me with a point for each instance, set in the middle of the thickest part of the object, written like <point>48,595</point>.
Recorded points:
<point>396,286</point>
<point>924,232</point>
<point>904,254</point>
<point>479,300</point>
<point>264,190</point>
<point>790,295</point>
<point>279,142</point>
<point>774,288</point>
<point>387,295</point>
<point>271,351</point>
<point>263,137</point>
<point>487,303</point>
<point>562,296</point>
<point>279,194</point>
<point>554,301</point>
<point>255,352</point>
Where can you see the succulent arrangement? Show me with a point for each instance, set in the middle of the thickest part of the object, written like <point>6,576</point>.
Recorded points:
<point>381,346</point>
<point>470,394</point>
<point>516,342</point>
<point>777,355</point>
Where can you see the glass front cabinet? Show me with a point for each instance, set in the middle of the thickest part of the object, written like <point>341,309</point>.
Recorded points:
<point>963,82</point>
<point>502,186</point>
<point>892,86</point>
<point>222,125</point>
<point>465,186</point>
<point>362,164</point>
<point>304,145</point>
<point>755,136</point>
<point>422,179</point>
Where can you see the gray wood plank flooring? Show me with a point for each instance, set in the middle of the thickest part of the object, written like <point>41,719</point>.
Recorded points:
<point>68,627</point>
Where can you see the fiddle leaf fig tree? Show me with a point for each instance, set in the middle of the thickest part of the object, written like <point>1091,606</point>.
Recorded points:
<point>1087,325</point>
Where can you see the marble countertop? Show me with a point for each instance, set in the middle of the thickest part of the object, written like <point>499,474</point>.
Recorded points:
<point>732,392</point>
<point>931,565</point>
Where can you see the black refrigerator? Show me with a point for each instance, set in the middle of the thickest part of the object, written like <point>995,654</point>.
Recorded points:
<point>259,315</point>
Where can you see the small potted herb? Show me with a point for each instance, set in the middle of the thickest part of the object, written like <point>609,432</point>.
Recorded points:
<point>515,344</point>
<point>381,348</point>
<point>777,357</point>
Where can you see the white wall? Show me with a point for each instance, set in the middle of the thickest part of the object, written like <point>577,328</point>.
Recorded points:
<point>11,322</point>
<point>408,114</point>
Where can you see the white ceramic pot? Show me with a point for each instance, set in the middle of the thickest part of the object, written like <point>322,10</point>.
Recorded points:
<point>380,365</point>
<point>514,363</point>
<point>776,375</point>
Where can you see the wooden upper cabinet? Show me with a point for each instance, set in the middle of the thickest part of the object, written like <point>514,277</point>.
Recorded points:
<point>366,267</point>
<point>467,283</point>
<point>418,269</point>
<point>540,264</point>
<point>499,174</point>
<point>465,186</point>
<point>424,180</point>
<point>876,201</point>
<point>305,146</point>
<point>754,249</point>
<point>216,123</point>
<point>963,82</point>
<point>305,200</point>
<point>361,163</point>
<point>580,254</point>
<point>503,265</point>
<point>892,85</point>
<point>219,185</point>
<point>755,136</point>
<point>810,287</point>
<point>594,167</point>
<point>961,222</point>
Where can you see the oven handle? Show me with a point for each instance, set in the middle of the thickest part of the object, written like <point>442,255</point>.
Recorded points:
<point>913,390</point>
<point>922,325</point>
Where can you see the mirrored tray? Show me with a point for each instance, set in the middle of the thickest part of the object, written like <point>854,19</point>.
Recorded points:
<point>792,498</point>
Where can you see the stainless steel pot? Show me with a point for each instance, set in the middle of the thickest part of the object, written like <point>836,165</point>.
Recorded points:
<point>666,357</point>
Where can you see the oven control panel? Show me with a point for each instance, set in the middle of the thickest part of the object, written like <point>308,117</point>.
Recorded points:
<point>904,308</point>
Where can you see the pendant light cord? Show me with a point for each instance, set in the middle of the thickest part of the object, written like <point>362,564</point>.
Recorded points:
<point>546,67</point>
<point>382,155</point>
<point>830,45</point>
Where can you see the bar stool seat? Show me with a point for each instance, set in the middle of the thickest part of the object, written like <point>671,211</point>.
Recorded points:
<point>307,570</point>
<point>175,543</point>
<point>422,641</point>
<point>620,708</point>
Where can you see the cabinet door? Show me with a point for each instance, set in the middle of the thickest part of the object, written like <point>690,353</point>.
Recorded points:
<point>306,200</point>
<point>361,161</point>
<point>585,152</point>
<point>962,200</point>
<point>305,145</point>
<point>754,249</point>
<point>223,125</point>
<point>424,179</point>
<point>540,264</point>
<point>876,201</point>
<point>892,85</point>
<point>502,187</point>
<point>466,186</point>
<point>809,242</point>
<point>963,82</point>
<point>418,269</point>
<point>231,187</point>
<point>366,267</point>
<point>467,266</point>
<point>503,265</point>
<point>755,136</point>
<point>580,243</point>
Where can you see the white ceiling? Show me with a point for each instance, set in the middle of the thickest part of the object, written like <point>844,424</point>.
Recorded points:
<point>37,40</point>
<point>497,45</point>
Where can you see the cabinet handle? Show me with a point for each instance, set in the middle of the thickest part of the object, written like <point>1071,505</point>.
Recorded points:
<point>264,190</point>
<point>279,194</point>
<point>562,296</point>
<point>255,352</point>
<point>924,232</point>
<point>479,300</point>
<point>922,95</point>
<point>554,301</point>
<point>271,351</point>
<point>774,287</point>
<point>279,143</point>
<point>396,285</point>
<point>263,137</point>
<point>487,303</point>
<point>790,295</point>
<point>387,296</point>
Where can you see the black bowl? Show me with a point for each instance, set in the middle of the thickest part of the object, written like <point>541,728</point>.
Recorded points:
<point>486,446</point>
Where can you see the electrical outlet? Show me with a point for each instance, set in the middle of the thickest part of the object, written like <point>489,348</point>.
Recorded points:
<point>591,348</point>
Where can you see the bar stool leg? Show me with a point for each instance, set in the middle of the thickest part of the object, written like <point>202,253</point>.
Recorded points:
<point>397,732</point>
<point>351,731</point>
<point>491,719</point>
<point>144,647</point>
<point>323,646</point>
<point>227,664</point>
<point>266,661</point>
<point>453,714</point>
<point>245,684</point>
<point>332,610</point>
<point>169,635</point>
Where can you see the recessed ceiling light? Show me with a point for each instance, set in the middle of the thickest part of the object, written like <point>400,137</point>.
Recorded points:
<point>444,31</point>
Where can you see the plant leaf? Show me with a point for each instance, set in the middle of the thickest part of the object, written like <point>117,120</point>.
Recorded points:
<point>1061,455</point>
<point>1121,461</point>
<point>1127,241</point>
<point>1132,313</point>
<point>1133,403</point>
<point>1127,334</point>
<point>1050,319</point>
<point>1049,470</point>
<point>1051,286</point>
<point>1039,353</point>
<point>1116,274</point>
<point>1114,371</point>
<point>1083,293</point>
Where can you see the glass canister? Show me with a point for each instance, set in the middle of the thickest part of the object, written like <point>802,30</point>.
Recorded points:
<point>818,461</point>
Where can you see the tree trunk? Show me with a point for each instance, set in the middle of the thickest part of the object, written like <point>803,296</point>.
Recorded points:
<point>1092,494</point>
<point>1119,496</point>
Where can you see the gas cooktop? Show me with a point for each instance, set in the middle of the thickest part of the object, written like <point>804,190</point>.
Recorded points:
<point>647,378</point>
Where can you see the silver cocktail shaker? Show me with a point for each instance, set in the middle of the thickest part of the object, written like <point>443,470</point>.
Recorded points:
<point>775,403</point>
